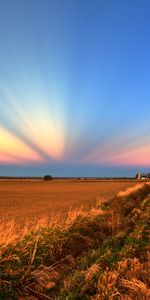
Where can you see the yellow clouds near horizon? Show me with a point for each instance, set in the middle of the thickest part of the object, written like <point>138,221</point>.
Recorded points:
<point>47,136</point>
<point>13,150</point>
<point>40,127</point>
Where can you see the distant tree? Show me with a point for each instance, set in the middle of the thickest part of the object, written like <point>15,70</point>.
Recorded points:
<point>47,177</point>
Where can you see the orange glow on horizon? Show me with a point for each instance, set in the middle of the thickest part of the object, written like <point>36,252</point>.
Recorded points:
<point>13,150</point>
<point>8,159</point>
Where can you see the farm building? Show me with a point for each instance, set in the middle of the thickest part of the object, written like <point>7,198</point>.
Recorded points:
<point>143,176</point>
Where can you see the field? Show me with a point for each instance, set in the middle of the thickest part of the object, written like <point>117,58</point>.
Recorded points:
<point>32,200</point>
<point>99,254</point>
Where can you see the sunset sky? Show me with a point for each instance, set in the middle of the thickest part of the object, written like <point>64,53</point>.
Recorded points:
<point>74,87</point>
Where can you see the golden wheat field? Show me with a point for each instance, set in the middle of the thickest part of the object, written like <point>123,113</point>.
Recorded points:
<point>23,201</point>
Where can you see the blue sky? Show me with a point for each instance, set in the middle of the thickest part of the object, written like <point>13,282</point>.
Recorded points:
<point>74,87</point>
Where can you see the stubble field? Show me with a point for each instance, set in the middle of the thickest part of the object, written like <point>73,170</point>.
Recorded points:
<point>23,201</point>
<point>98,254</point>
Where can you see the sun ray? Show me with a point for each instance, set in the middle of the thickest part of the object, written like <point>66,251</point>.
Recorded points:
<point>14,150</point>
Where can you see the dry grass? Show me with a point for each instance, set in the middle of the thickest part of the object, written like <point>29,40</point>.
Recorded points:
<point>29,201</point>
<point>95,254</point>
<point>11,230</point>
<point>136,288</point>
<point>130,190</point>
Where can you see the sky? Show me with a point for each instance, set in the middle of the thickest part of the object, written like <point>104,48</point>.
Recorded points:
<point>74,87</point>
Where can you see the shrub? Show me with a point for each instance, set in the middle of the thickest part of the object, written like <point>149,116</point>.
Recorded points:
<point>48,177</point>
